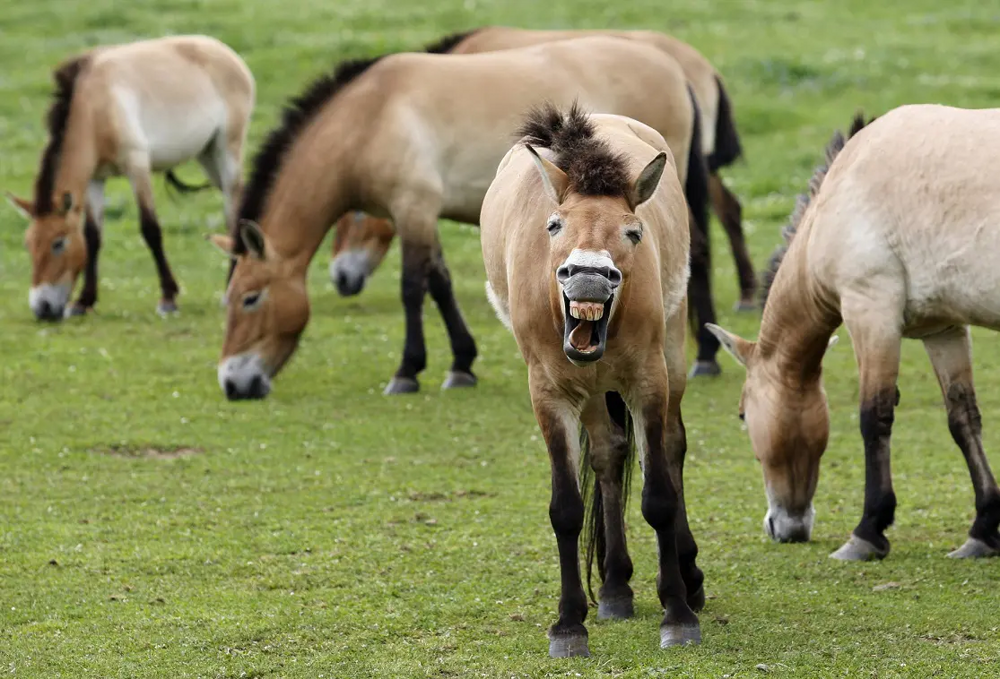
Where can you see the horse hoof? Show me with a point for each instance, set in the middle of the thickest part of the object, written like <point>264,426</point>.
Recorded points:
<point>696,601</point>
<point>974,549</point>
<point>704,369</point>
<point>680,635</point>
<point>75,310</point>
<point>574,646</point>
<point>857,549</point>
<point>457,380</point>
<point>619,608</point>
<point>745,306</point>
<point>402,385</point>
<point>166,307</point>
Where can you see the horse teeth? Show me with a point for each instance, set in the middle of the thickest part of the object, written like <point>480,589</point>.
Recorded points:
<point>574,310</point>
<point>598,312</point>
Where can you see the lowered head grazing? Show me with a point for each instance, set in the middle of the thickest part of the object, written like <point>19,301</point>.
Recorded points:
<point>783,404</point>
<point>593,228</point>
<point>55,238</point>
<point>267,312</point>
<point>359,246</point>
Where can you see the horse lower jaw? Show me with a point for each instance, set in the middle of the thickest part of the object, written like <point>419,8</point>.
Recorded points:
<point>597,340</point>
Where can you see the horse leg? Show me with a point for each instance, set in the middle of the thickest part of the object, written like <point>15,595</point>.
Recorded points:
<point>876,336</point>
<point>604,419</point>
<point>660,507</point>
<point>676,446</point>
<point>92,235</point>
<point>700,301</point>
<point>951,355</point>
<point>463,347</point>
<point>559,426</point>
<point>138,174</point>
<point>729,211</point>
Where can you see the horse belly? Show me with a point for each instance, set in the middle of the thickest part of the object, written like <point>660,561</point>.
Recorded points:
<point>957,290</point>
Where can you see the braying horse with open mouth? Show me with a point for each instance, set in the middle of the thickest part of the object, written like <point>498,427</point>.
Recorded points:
<point>895,239</point>
<point>416,137</point>
<point>130,110</point>
<point>585,240</point>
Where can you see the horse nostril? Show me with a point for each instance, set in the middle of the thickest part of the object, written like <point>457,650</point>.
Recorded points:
<point>615,276</point>
<point>564,273</point>
<point>257,387</point>
<point>770,527</point>
<point>231,390</point>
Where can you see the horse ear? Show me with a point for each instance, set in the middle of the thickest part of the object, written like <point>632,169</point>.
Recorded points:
<point>738,347</point>
<point>645,184</point>
<point>253,238</point>
<point>554,180</point>
<point>224,243</point>
<point>25,208</point>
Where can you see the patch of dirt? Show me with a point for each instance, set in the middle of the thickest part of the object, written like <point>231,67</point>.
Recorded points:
<point>417,496</point>
<point>149,452</point>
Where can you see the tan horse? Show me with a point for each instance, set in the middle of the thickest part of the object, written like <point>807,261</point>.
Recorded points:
<point>357,254</point>
<point>586,253</point>
<point>897,239</point>
<point>414,137</point>
<point>129,110</point>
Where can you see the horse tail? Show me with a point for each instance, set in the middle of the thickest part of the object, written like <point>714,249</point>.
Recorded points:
<point>594,529</point>
<point>696,193</point>
<point>727,141</point>
<point>175,183</point>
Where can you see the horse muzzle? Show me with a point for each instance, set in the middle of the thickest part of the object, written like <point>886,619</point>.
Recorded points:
<point>784,526</point>
<point>243,377</point>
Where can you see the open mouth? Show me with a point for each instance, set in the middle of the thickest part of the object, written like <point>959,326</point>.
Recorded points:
<point>586,332</point>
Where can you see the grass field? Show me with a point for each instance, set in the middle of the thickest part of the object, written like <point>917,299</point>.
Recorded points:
<point>150,528</point>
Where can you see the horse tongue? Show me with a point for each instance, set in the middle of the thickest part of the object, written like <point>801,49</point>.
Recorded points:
<point>581,334</point>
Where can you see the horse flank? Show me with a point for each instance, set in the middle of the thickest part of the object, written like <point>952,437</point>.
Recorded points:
<point>298,113</point>
<point>65,77</point>
<point>803,200</point>
<point>593,168</point>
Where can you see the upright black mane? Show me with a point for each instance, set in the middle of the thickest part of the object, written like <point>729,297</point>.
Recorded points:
<point>593,168</point>
<point>65,78</point>
<point>449,42</point>
<point>297,114</point>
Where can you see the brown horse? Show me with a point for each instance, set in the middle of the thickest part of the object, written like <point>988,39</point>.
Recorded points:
<point>129,110</point>
<point>377,136</point>
<point>357,254</point>
<point>586,253</point>
<point>896,240</point>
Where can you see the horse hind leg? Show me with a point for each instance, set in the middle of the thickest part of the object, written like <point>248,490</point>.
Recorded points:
<point>730,213</point>
<point>463,346</point>
<point>951,355</point>
<point>221,162</point>
<point>605,420</point>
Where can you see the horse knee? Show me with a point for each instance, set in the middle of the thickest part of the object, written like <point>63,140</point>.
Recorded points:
<point>659,504</point>
<point>566,512</point>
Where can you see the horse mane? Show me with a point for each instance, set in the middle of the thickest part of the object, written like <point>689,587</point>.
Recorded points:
<point>593,168</point>
<point>297,114</point>
<point>65,77</point>
<point>449,42</point>
<point>802,201</point>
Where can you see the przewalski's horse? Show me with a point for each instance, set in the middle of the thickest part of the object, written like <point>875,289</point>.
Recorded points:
<point>356,255</point>
<point>376,136</point>
<point>586,254</point>
<point>894,239</point>
<point>129,110</point>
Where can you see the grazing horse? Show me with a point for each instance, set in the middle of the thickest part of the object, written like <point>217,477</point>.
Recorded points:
<point>414,137</point>
<point>895,239</point>
<point>586,254</point>
<point>129,110</point>
<point>356,255</point>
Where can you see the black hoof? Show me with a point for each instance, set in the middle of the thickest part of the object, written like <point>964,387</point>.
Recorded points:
<point>568,646</point>
<point>402,385</point>
<point>859,549</point>
<point>696,601</point>
<point>680,635</point>
<point>458,380</point>
<point>705,369</point>
<point>974,549</point>
<point>166,307</point>
<point>620,608</point>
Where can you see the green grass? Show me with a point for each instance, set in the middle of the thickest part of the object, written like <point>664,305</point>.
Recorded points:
<point>332,532</point>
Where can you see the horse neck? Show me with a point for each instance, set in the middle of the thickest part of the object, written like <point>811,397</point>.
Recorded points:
<point>799,317</point>
<point>78,157</point>
<point>312,191</point>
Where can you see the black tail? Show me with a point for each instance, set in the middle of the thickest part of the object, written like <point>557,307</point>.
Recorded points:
<point>727,140</point>
<point>696,192</point>
<point>596,546</point>
<point>174,182</point>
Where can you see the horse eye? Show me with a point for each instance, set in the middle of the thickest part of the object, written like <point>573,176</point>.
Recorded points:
<point>634,235</point>
<point>250,300</point>
<point>554,225</point>
<point>58,246</point>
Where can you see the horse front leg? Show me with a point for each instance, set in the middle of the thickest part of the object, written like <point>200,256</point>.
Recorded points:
<point>877,339</point>
<point>661,505</point>
<point>729,211</point>
<point>951,355</point>
<point>92,235</point>
<point>700,303</point>
<point>559,423</point>
<point>138,172</point>
<point>463,347</point>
